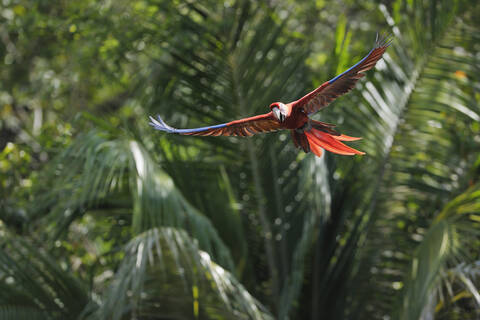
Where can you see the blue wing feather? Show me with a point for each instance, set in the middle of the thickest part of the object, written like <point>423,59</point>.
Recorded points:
<point>380,41</point>
<point>159,124</point>
<point>341,74</point>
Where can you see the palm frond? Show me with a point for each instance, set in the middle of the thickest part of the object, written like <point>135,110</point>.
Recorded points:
<point>240,76</point>
<point>21,313</point>
<point>95,168</point>
<point>428,131</point>
<point>448,238</point>
<point>31,283</point>
<point>164,274</point>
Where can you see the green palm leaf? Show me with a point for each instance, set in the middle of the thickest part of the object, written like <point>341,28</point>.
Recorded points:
<point>446,241</point>
<point>165,275</point>
<point>96,169</point>
<point>411,191</point>
<point>152,222</point>
<point>31,283</point>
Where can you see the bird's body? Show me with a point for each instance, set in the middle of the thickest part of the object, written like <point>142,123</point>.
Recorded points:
<point>307,134</point>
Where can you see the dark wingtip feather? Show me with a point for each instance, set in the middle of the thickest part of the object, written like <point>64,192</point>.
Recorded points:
<point>159,124</point>
<point>384,40</point>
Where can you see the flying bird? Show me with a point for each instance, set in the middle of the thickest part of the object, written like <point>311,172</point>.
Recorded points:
<point>307,134</point>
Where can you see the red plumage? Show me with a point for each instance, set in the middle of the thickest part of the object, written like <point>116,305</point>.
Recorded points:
<point>307,134</point>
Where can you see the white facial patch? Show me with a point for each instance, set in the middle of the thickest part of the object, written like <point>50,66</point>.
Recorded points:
<point>276,112</point>
<point>280,112</point>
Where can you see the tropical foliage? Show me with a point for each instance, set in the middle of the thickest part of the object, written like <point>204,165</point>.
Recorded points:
<point>102,217</point>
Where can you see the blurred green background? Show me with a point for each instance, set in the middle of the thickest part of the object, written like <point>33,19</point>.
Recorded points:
<point>101,217</point>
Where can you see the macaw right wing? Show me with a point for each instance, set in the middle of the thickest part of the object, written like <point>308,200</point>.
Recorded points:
<point>243,127</point>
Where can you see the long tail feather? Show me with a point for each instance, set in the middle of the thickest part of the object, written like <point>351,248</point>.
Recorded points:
<point>317,138</point>
<point>327,146</point>
<point>343,137</point>
<point>315,149</point>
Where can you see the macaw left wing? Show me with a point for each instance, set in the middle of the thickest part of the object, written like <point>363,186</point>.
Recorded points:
<point>243,127</point>
<point>344,82</point>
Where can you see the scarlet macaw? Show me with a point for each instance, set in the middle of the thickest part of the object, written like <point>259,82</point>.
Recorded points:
<point>308,134</point>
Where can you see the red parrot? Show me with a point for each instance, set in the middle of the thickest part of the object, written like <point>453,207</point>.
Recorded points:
<point>308,134</point>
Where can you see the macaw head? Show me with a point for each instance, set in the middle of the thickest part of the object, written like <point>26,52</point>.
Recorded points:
<point>280,111</point>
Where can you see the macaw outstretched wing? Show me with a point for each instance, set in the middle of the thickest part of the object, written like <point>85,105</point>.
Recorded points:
<point>344,82</point>
<point>243,127</point>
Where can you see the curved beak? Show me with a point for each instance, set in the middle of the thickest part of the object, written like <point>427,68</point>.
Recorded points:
<point>278,114</point>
